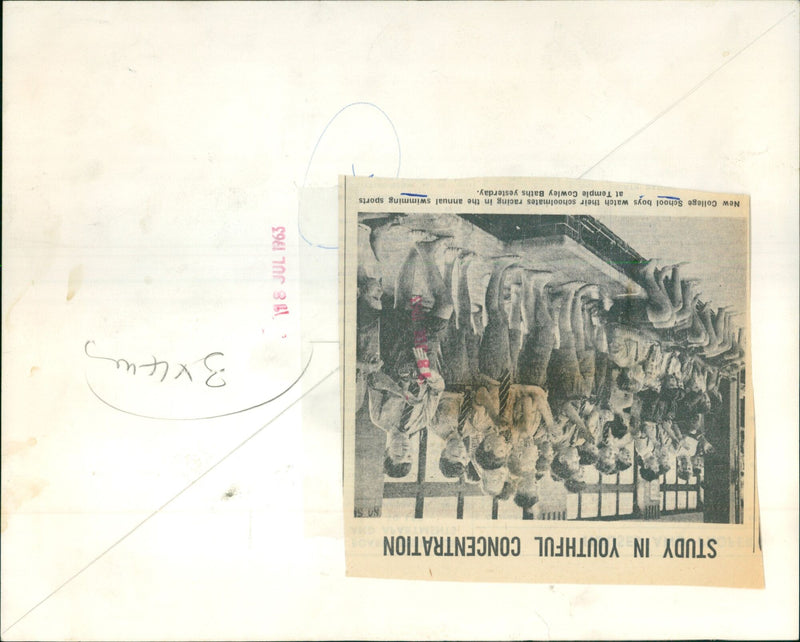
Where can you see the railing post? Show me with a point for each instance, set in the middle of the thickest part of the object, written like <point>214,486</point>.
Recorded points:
<point>422,462</point>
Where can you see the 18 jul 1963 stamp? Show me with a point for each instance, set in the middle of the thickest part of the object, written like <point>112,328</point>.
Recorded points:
<point>546,380</point>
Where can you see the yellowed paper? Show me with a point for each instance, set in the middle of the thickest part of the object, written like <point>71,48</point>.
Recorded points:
<point>530,397</point>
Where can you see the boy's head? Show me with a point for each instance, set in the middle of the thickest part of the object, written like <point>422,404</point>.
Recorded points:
<point>526,417</point>
<point>683,467</point>
<point>455,450</point>
<point>527,493</point>
<point>624,459</point>
<point>696,381</point>
<point>617,427</point>
<point>698,466</point>
<point>454,458</point>
<point>606,460</point>
<point>397,457</point>
<point>399,447</point>
<point>587,453</point>
<point>670,392</point>
<point>522,460</point>
<point>370,291</point>
<point>649,468</point>
<point>635,423</point>
<point>546,450</point>
<point>492,452</point>
<point>618,348</point>
<point>647,474</point>
<point>631,379</point>
<point>664,464</point>
<point>670,384</point>
<point>408,377</point>
<point>509,488</point>
<point>396,470</point>
<point>574,485</point>
<point>698,400</point>
<point>652,363</point>
<point>494,480</point>
<point>695,423</point>
<point>565,463</point>
<point>569,457</point>
<point>542,465</point>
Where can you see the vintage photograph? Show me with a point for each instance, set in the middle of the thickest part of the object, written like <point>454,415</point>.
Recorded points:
<point>549,366</point>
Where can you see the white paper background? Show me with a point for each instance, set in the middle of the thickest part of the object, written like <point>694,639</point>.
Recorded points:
<point>148,149</point>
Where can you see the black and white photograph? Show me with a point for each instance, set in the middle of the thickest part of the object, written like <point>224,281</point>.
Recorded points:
<point>550,367</point>
<point>490,305</point>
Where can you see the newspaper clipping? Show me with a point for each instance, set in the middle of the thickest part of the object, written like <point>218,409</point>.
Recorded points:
<point>546,380</point>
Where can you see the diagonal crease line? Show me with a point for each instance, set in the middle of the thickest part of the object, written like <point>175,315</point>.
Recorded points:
<point>167,503</point>
<point>688,93</point>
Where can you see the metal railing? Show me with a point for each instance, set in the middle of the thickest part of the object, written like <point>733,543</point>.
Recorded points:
<point>646,508</point>
<point>583,229</point>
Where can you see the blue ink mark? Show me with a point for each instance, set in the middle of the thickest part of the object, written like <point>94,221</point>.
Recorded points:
<point>672,198</point>
<point>412,194</point>
<point>225,414</point>
<point>641,196</point>
<point>314,151</point>
<point>353,166</point>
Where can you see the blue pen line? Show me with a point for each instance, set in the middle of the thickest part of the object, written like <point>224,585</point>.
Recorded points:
<point>412,194</point>
<point>672,198</point>
<point>314,151</point>
<point>353,166</point>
